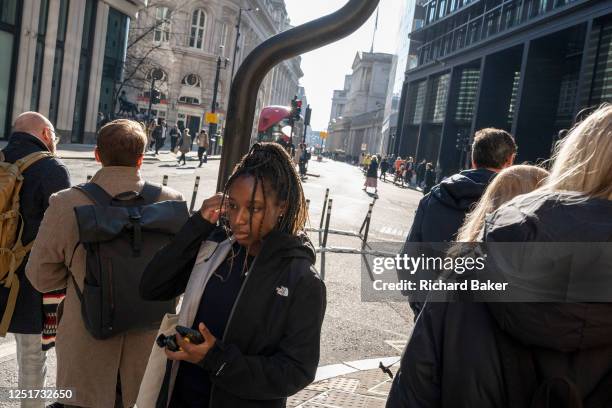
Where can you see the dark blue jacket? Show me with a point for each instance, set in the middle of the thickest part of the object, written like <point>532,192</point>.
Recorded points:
<point>442,211</point>
<point>41,180</point>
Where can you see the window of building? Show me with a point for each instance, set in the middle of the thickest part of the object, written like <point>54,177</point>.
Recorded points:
<point>466,99</point>
<point>438,98</point>
<point>515,86</point>
<point>223,37</point>
<point>198,25</point>
<point>114,54</point>
<point>160,75</point>
<point>39,54</point>
<point>418,101</point>
<point>8,34</point>
<point>82,87</point>
<point>189,100</point>
<point>58,61</point>
<point>162,24</point>
<point>192,80</point>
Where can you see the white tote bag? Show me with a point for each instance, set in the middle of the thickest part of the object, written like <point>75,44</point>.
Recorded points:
<point>156,367</point>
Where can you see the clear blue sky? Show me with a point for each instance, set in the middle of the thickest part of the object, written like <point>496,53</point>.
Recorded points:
<point>325,68</point>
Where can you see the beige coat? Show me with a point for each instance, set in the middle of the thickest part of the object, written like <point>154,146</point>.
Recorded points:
<point>84,364</point>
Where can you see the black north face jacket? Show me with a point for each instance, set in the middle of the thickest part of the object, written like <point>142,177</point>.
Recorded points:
<point>271,346</point>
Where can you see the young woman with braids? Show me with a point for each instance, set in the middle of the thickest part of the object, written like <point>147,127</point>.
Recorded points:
<point>249,288</point>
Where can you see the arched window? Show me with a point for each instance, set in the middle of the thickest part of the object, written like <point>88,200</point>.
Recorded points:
<point>162,25</point>
<point>198,24</point>
<point>157,73</point>
<point>192,80</point>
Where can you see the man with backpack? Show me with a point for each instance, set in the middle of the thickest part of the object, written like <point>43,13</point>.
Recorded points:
<point>30,154</point>
<point>95,240</point>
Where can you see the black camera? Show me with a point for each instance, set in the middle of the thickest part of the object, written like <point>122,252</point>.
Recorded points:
<point>189,335</point>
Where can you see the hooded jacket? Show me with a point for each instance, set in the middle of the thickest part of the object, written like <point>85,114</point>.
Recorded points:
<point>442,211</point>
<point>513,354</point>
<point>270,348</point>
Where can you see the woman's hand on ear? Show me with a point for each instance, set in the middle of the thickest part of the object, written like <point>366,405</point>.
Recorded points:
<point>211,208</point>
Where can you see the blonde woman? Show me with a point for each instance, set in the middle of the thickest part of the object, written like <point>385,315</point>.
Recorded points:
<point>509,183</point>
<point>527,354</point>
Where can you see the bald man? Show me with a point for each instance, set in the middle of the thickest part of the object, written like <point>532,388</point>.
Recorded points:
<point>32,132</point>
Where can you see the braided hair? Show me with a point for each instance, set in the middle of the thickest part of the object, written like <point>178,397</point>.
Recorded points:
<point>270,165</point>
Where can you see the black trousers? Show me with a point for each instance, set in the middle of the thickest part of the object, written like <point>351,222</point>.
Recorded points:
<point>202,155</point>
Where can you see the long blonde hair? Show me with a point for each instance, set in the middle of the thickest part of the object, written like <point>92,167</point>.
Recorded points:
<point>509,183</point>
<point>582,161</point>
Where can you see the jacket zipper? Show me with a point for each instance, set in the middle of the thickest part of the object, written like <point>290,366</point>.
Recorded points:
<point>229,320</point>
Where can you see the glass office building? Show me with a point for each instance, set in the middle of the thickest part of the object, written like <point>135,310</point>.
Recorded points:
<point>527,66</point>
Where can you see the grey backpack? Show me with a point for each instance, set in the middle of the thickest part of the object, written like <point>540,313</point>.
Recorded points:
<point>120,235</point>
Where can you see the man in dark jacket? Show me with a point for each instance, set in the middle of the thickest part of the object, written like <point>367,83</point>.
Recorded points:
<point>32,133</point>
<point>440,213</point>
<point>159,135</point>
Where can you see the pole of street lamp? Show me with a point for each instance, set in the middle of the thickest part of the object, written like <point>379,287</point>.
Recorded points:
<point>236,44</point>
<point>212,127</point>
<point>151,97</point>
<point>283,46</point>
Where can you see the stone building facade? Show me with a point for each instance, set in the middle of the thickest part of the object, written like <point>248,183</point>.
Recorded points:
<point>186,40</point>
<point>358,109</point>
<point>62,58</point>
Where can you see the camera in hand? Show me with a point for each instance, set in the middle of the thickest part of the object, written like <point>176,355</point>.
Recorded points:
<point>189,335</point>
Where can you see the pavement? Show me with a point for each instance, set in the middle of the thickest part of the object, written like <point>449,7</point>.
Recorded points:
<point>357,334</point>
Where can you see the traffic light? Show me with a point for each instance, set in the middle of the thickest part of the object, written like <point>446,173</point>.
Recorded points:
<point>307,116</point>
<point>156,96</point>
<point>296,108</point>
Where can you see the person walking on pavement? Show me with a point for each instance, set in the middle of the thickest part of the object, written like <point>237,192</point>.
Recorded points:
<point>430,178</point>
<point>254,270</point>
<point>408,171</point>
<point>151,125</point>
<point>203,144</point>
<point>159,134</point>
<point>103,373</point>
<point>372,175</point>
<point>184,146</point>
<point>384,167</point>
<point>529,354</point>
<point>441,212</point>
<point>175,135</point>
<point>421,168</point>
<point>33,318</point>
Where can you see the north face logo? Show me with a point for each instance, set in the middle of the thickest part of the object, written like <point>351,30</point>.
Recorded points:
<point>282,291</point>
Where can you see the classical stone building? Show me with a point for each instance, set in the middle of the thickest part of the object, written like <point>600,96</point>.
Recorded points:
<point>358,109</point>
<point>62,58</point>
<point>185,40</point>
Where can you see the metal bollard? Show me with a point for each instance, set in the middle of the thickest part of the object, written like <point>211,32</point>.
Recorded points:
<point>325,234</point>
<point>307,205</point>
<point>195,193</point>
<point>323,208</point>
<point>165,180</point>
<point>89,177</point>
<point>367,227</point>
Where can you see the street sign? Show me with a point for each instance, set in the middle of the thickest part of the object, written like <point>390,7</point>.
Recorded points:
<point>212,118</point>
<point>323,135</point>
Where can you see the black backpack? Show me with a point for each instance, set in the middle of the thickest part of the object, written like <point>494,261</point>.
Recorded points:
<point>120,235</point>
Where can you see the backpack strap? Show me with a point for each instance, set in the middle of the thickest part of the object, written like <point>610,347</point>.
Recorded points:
<point>30,159</point>
<point>150,192</point>
<point>95,193</point>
